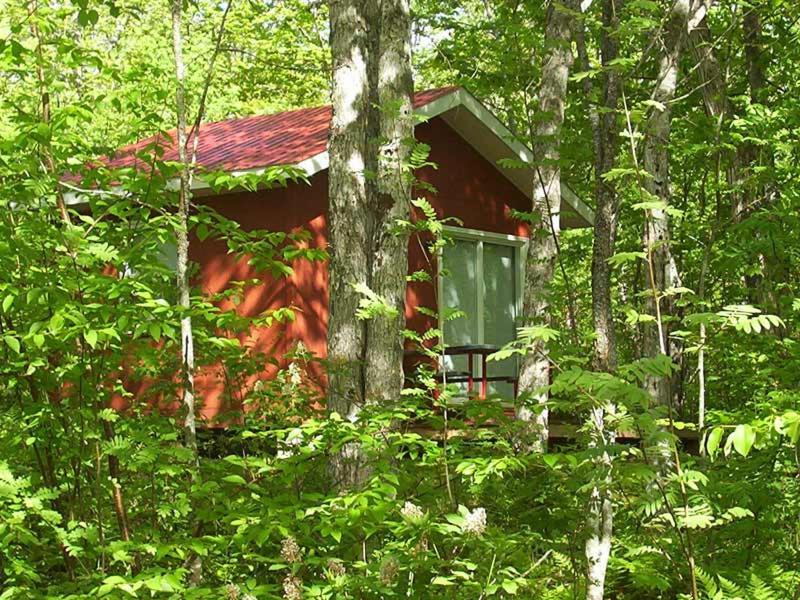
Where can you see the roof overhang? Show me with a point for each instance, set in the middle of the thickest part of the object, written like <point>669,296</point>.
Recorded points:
<point>478,126</point>
<point>494,141</point>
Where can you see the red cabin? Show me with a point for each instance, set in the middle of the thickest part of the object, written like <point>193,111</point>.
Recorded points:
<point>484,262</point>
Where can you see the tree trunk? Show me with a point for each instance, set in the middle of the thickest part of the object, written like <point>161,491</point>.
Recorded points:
<point>719,107</point>
<point>383,373</point>
<point>350,230</point>
<point>600,510</point>
<point>182,237</point>
<point>539,264</point>
<point>751,30</point>
<point>193,562</point>
<point>773,265</point>
<point>371,130</point>
<point>662,272</point>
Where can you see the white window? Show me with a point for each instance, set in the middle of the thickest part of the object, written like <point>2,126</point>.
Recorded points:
<point>167,257</point>
<point>481,274</point>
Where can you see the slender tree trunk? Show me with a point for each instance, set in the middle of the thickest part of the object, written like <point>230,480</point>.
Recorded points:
<point>114,472</point>
<point>193,562</point>
<point>44,96</point>
<point>601,510</point>
<point>751,27</point>
<point>350,231</point>
<point>539,264</point>
<point>383,373</point>
<point>182,237</point>
<point>751,31</point>
<point>719,109</point>
<point>662,271</point>
<point>773,265</point>
<point>712,78</point>
<point>684,16</point>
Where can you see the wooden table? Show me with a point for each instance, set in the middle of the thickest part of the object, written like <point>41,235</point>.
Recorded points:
<point>468,376</point>
<point>470,350</point>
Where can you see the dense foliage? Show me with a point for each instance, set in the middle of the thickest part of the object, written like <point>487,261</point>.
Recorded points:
<point>101,502</point>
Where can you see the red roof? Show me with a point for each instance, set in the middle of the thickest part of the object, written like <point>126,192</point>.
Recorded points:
<point>285,138</point>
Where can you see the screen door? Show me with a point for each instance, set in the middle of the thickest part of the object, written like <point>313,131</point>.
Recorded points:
<point>480,278</point>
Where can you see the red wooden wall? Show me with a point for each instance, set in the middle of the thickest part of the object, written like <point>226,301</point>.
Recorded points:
<point>468,188</point>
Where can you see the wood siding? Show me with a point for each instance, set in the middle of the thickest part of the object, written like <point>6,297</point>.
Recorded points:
<point>469,188</point>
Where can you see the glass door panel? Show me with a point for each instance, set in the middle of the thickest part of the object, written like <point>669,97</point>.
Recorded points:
<point>499,309</point>
<point>460,291</point>
<point>479,279</point>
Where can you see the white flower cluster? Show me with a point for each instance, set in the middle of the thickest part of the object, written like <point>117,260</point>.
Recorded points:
<point>336,568</point>
<point>294,376</point>
<point>411,512</point>
<point>475,521</point>
<point>389,570</point>
<point>290,550</point>
<point>232,591</point>
<point>288,447</point>
<point>292,588</point>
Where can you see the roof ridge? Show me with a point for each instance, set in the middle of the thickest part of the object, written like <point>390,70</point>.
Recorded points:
<point>300,109</point>
<point>240,143</point>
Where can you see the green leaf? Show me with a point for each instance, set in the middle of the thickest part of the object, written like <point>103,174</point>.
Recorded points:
<point>12,343</point>
<point>238,479</point>
<point>623,257</point>
<point>438,580</point>
<point>650,205</point>
<point>743,438</point>
<point>455,519</point>
<point>713,441</point>
<point>551,459</point>
<point>91,337</point>
<point>510,586</point>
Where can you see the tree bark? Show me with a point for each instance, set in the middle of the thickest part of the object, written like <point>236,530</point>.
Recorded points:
<point>601,511</point>
<point>748,153</point>
<point>662,272</point>
<point>719,108</point>
<point>773,265</point>
<point>751,27</point>
<point>369,191</point>
<point>383,374</point>
<point>542,251</point>
<point>182,238</point>
<point>349,227</point>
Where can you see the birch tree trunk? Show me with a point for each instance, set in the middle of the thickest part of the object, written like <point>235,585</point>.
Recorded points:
<point>182,236</point>
<point>539,264</point>
<point>348,225</point>
<point>600,510</point>
<point>193,562</point>
<point>383,373</point>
